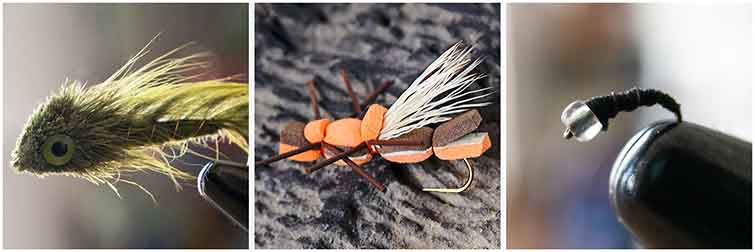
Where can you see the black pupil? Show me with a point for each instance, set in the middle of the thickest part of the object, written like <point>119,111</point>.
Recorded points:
<point>59,149</point>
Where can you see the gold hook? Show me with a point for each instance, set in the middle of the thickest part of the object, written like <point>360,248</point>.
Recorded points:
<point>456,190</point>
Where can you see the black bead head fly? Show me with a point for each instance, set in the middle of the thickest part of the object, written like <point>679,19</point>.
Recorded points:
<point>585,119</point>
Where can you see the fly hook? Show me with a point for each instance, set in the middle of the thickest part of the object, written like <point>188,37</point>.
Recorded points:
<point>466,185</point>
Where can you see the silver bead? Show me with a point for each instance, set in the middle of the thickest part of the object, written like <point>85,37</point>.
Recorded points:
<point>580,122</point>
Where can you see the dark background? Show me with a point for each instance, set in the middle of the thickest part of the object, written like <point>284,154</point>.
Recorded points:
<point>333,207</point>
<point>44,44</point>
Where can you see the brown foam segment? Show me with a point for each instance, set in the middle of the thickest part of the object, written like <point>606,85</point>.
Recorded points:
<point>293,134</point>
<point>456,128</point>
<point>424,134</point>
<point>410,154</point>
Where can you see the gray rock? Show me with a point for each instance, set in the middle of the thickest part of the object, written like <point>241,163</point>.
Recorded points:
<point>333,207</point>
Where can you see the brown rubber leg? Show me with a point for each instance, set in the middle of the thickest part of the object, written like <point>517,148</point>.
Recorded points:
<point>335,158</point>
<point>313,98</point>
<point>379,90</point>
<point>354,99</point>
<point>372,96</point>
<point>287,154</point>
<point>358,169</point>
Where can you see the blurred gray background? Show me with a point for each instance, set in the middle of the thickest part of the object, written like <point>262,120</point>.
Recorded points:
<point>44,44</point>
<point>333,207</point>
<point>557,190</point>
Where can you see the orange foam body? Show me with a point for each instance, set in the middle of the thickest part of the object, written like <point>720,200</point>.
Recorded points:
<point>469,146</point>
<point>372,122</point>
<point>344,132</point>
<point>314,131</point>
<point>307,156</point>
<point>409,156</point>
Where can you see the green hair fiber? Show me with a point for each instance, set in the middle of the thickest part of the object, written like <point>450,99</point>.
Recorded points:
<point>130,121</point>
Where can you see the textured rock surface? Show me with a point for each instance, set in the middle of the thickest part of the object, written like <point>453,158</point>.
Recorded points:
<point>333,207</point>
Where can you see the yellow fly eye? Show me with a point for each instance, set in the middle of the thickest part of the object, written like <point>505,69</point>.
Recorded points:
<point>58,150</point>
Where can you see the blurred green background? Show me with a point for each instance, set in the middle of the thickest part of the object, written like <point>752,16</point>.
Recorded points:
<point>44,44</point>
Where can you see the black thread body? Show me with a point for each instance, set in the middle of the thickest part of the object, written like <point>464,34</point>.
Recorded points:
<point>608,106</point>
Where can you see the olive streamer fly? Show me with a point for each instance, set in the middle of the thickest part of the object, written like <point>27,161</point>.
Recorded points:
<point>138,119</point>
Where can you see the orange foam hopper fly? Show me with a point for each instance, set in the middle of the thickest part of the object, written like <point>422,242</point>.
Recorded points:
<point>401,133</point>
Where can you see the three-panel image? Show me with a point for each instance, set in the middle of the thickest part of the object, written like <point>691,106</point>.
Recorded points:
<point>376,125</point>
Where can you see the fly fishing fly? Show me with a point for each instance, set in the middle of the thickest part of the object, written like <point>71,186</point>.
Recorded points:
<point>138,119</point>
<point>401,133</point>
